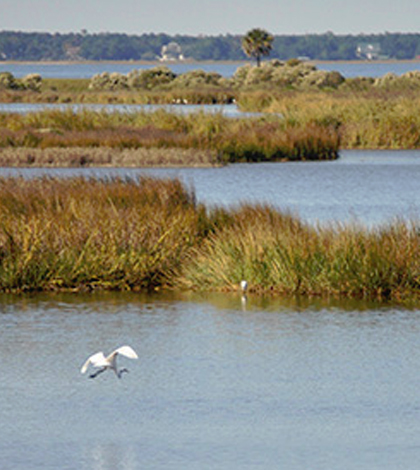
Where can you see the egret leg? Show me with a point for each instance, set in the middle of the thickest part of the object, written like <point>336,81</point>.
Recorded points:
<point>95,374</point>
<point>120,373</point>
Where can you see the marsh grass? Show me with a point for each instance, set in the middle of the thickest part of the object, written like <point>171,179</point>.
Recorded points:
<point>279,254</point>
<point>77,91</point>
<point>117,234</point>
<point>367,113</point>
<point>266,138</point>
<point>374,119</point>
<point>71,157</point>
<point>365,119</point>
<point>86,234</point>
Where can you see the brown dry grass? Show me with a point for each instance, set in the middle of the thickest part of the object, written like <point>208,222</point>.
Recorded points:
<point>105,157</point>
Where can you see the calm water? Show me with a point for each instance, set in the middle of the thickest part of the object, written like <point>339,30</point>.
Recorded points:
<point>371,187</point>
<point>23,108</point>
<point>288,385</point>
<point>87,70</point>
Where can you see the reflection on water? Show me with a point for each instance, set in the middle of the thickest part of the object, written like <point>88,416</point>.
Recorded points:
<point>115,302</point>
<point>112,456</point>
<point>306,382</point>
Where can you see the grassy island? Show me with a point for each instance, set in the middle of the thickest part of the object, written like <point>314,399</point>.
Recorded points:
<point>202,138</point>
<point>308,114</point>
<point>147,234</point>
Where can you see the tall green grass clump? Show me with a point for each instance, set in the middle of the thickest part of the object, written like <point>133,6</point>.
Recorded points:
<point>277,253</point>
<point>86,234</point>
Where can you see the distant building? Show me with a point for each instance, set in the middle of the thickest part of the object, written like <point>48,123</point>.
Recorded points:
<point>171,52</point>
<point>368,51</point>
<point>72,52</point>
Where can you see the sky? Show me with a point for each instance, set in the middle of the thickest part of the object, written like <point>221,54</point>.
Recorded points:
<point>211,17</point>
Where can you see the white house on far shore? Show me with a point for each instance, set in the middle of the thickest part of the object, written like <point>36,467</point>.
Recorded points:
<point>171,52</point>
<point>368,51</point>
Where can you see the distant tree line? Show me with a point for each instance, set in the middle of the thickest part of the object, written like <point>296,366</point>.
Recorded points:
<point>112,46</point>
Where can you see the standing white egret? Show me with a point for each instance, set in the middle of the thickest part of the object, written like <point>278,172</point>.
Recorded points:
<point>244,287</point>
<point>110,362</point>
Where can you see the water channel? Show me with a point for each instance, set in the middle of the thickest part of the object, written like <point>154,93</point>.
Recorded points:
<point>271,384</point>
<point>369,187</point>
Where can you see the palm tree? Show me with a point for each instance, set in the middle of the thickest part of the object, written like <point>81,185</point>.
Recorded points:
<point>257,43</point>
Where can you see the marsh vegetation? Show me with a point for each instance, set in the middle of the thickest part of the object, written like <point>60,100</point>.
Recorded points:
<point>148,234</point>
<point>224,140</point>
<point>309,114</point>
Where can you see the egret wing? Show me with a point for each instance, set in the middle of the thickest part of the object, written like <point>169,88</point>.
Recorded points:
<point>126,351</point>
<point>97,360</point>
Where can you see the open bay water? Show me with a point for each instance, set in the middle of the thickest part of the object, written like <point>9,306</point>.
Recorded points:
<point>226,69</point>
<point>290,384</point>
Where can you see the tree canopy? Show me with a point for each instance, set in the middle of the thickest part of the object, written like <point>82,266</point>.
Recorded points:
<point>112,46</point>
<point>257,43</point>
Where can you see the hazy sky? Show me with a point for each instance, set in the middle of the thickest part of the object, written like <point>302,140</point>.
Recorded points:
<point>211,17</point>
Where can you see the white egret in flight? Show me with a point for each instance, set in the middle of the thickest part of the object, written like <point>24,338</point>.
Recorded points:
<point>110,362</point>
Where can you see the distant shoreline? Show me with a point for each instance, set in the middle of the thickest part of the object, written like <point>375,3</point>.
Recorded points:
<point>198,62</point>
<point>122,62</point>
